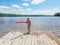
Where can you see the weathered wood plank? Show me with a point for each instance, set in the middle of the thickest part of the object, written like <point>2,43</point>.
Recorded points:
<point>32,39</point>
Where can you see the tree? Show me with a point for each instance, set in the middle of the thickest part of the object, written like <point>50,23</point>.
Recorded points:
<point>57,14</point>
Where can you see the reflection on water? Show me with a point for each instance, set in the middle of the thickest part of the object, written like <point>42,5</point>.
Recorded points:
<point>38,23</point>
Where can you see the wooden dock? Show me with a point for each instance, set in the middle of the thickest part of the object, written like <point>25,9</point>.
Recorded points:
<point>35,38</point>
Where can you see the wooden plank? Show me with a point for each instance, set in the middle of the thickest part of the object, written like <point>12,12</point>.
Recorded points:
<point>31,39</point>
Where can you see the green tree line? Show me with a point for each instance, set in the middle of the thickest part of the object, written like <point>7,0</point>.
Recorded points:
<point>57,14</point>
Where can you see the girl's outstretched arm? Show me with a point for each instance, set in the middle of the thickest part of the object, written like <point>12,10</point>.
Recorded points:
<point>21,22</point>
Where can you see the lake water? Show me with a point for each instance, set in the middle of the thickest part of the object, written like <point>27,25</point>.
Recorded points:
<point>8,24</point>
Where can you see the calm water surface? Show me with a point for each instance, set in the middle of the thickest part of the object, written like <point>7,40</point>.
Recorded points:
<point>38,23</point>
